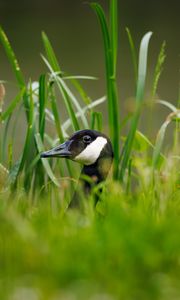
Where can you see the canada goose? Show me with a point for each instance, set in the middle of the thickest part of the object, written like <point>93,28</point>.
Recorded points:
<point>93,150</point>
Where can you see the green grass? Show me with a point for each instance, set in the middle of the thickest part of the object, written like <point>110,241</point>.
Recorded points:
<point>126,248</point>
<point>131,253</point>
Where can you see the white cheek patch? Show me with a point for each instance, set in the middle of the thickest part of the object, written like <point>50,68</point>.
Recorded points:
<point>91,153</point>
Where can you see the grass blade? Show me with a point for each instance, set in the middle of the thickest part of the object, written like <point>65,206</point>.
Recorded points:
<point>158,144</point>
<point>42,103</point>
<point>15,67</point>
<point>4,139</point>
<point>110,60</point>
<point>12,58</point>
<point>114,31</point>
<point>174,116</point>
<point>12,105</point>
<point>50,53</point>
<point>96,120</point>
<point>56,114</point>
<point>30,131</point>
<point>133,53</point>
<point>83,77</point>
<point>142,68</point>
<point>167,104</point>
<point>45,162</point>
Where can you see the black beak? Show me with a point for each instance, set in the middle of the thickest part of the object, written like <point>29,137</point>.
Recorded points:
<point>59,151</point>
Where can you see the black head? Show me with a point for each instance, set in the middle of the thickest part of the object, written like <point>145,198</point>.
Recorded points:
<point>84,146</point>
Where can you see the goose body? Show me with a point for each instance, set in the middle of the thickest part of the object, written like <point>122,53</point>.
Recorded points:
<point>92,149</point>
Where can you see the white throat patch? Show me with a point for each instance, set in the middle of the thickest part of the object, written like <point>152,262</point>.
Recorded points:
<point>91,153</point>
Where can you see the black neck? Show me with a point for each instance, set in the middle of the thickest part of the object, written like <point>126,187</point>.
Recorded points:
<point>96,173</point>
<point>91,176</point>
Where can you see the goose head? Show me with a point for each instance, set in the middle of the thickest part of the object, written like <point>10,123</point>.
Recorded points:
<point>87,147</point>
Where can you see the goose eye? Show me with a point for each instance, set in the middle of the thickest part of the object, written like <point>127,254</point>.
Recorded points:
<point>86,139</point>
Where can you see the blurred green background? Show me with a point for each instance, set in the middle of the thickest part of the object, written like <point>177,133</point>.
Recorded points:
<point>75,34</point>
